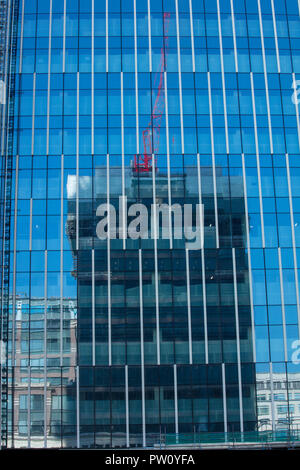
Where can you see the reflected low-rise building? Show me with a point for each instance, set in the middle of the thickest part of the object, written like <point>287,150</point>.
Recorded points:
<point>278,402</point>
<point>36,395</point>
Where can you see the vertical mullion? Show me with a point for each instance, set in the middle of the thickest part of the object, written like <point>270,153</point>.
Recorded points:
<point>93,310</point>
<point>64,37</point>
<point>46,252</point>
<point>249,259</point>
<point>14,295</point>
<point>106,35</point>
<point>213,160</point>
<point>136,81</point>
<point>224,400</point>
<point>223,77</point>
<point>192,35</point>
<point>188,289</point>
<point>142,347</point>
<point>6,76</point>
<point>45,348</point>
<point>238,348</point>
<point>234,37</point>
<point>265,75</point>
<point>282,305</point>
<point>257,163</point>
<point>77,409</point>
<point>149,35</point>
<point>30,224</point>
<point>21,38</point>
<point>108,263</point>
<point>203,266</point>
<point>127,405</point>
<point>175,398</point>
<point>61,257</point>
<point>179,77</point>
<point>6,80</point>
<point>204,304</point>
<point>77,165</point>
<point>33,113</point>
<point>29,406</point>
<point>272,397</point>
<point>168,161</point>
<point>124,209</point>
<point>275,35</point>
<point>92,77</point>
<point>155,237</point>
<point>49,78</point>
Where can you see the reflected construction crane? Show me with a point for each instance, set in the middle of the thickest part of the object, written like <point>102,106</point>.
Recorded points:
<point>143,161</point>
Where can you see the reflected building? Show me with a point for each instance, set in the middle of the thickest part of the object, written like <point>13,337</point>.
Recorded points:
<point>195,310</point>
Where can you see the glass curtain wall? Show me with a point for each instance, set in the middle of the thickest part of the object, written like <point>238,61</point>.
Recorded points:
<point>119,342</point>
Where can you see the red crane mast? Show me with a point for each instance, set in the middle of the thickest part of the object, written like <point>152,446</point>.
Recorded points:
<point>143,161</point>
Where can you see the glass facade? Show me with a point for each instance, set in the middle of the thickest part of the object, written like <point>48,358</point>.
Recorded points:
<point>119,341</point>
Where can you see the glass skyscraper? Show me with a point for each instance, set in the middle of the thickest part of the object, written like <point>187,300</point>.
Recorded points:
<point>132,342</point>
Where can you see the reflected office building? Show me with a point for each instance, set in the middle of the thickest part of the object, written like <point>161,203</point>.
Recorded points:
<point>109,340</point>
